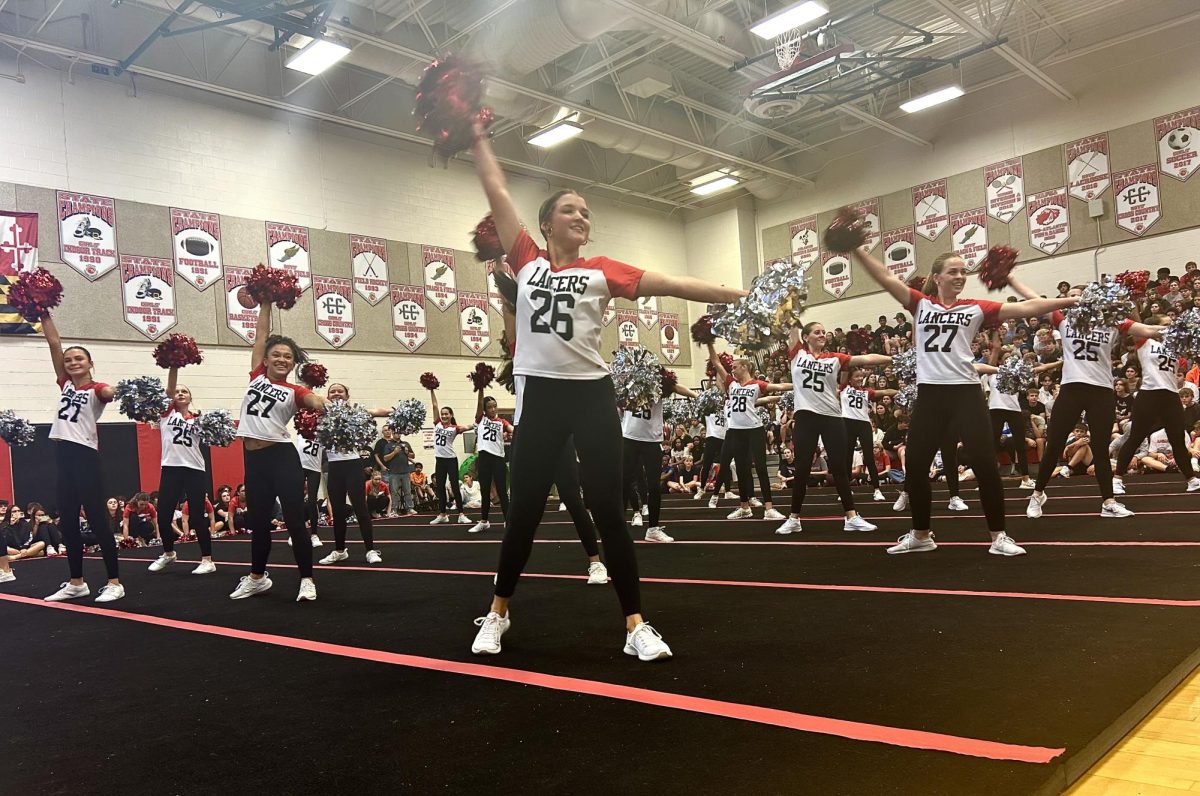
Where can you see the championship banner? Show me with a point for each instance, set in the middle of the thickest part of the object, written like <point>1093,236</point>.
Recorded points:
<point>610,314</point>
<point>241,310</point>
<point>1049,222</point>
<point>899,252</point>
<point>287,248</point>
<point>648,311</point>
<point>1136,194</point>
<point>1087,166</point>
<point>806,242</point>
<point>668,336</point>
<point>408,316</point>
<point>473,320</point>
<point>1178,137</point>
<point>494,298</point>
<point>869,210</point>
<point>627,329</point>
<point>334,300</point>
<point>930,209</point>
<point>439,276</point>
<point>18,252</point>
<point>148,290</point>
<point>968,236</point>
<point>1005,188</point>
<point>87,233</point>
<point>196,246</point>
<point>836,276</point>
<point>369,264</point>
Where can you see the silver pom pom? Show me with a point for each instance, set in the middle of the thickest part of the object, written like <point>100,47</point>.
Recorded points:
<point>142,399</point>
<point>787,401</point>
<point>216,428</point>
<point>710,402</point>
<point>636,377</point>
<point>905,365</point>
<point>407,417</point>
<point>764,415</point>
<point>1014,375</point>
<point>760,319</point>
<point>345,427</point>
<point>680,411</point>
<point>16,431</point>
<point>1182,337</point>
<point>906,397</point>
<point>1101,305</point>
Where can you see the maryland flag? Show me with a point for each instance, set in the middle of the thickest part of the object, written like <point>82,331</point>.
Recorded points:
<point>18,252</point>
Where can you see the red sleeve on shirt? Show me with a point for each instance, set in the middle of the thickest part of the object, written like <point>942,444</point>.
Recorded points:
<point>524,251</point>
<point>762,387</point>
<point>728,381</point>
<point>914,298</point>
<point>1056,318</point>
<point>795,349</point>
<point>844,359</point>
<point>991,311</point>
<point>1140,342</point>
<point>1124,326</point>
<point>870,395</point>
<point>63,381</point>
<point>99,387</point>
<point>261,370</point>
<point>623,279</point>
<point>300,391</point>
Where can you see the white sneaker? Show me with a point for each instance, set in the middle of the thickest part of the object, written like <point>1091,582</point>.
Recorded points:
<point>700,492</point>
<point>308,590</point>
<point>374,557</point>
<point>637,518</point>
<point>289,541</point>
<point>645,511</point>
<point>1005,546</point>
<point>901,503</point>
<point>316,540</point>
<point>1028,483</point>
<point>110,592</point>
<point>248,587</point>
<point>562,506</point>
<point>1115,509</point>
<point>792,525</point>
<point>491,628</point>
<point>1118,486</point>
<point>334,557</point>
<point>1193,484</point>
<point>68,592</point>
<point>7,576</point>
<point>1034,509</point>
<point>479,527</point>
<point>857,523</point>
<point>597,574</point>
<point>755,503</point>
<point>773,514</point>
<point>956,504</point>
<point>646,643</point>
<point>440,519</point>
<point>909,543</point>
<point>712,501</point>
<point>657,534</point>
<point>205,568</point>
<point>463,519</point>
<point>1063,472</point>
<point>740,514</point>
<point>879,497</point>
<point>160,563</point>
<point>1195,469</point>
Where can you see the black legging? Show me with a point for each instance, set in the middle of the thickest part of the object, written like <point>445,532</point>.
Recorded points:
<point>47,533</point>
<point>274,472</point>
<point>1075,399</point>
<point>943,413</point>
<point>566,481</point>
<point>312,490</point>
<point>551,411</point>
<point>187,482</point>
<point>1152,410</point>
<point>860,431</point>
<point>492,468</point>
<point>80,486</point>
<point>642,458</point>
<point>348,480</point>
<point>744,445</point>
<point>1016,424</point>
<point>443,470</point>
<point>806,430</point>
<point>712,455</point>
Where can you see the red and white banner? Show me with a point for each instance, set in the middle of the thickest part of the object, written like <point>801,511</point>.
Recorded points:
<point>836,276</point>
<point>473,320</point>
<point>900,252</point>
<point>1178,136</point>
<point>610,314</point>
<point>196,246</point>
<point>408,316</point>
<point>440,287</point>
<point>241,310</point>
<point>930,209</point>
<point>333,298</point>
<point>648,311</point>
<point>869,210</point>
<point>18,242</point>
<point>806,242</point>
<point>1049,221</point>
<point>1137,199</point>
<point>1087,166</point>
<point>494,298</point>
<point>287,248</point>
<point>668,336</point>
<point>369,264</point>
<point>148,293</point>
<point>969,237</point>
<point>627,327</point>
<point>1005,188</point>
<point>87,233</point>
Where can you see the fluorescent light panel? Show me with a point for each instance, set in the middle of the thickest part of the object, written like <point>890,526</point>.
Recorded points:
<point>789,18</point>
<point>317,56</point>
<point>555,134</point>
<point>932,98</point>
<point>719,184</point>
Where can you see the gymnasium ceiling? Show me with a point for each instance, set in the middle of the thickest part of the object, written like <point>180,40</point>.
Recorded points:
<point>554,57</point>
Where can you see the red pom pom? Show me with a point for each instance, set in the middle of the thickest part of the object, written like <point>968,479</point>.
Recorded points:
<point>177,351</point>
<point>858,341</point>
<point>34,294</point>
<point>483,375</point>
<point>702,333</point>
<point>916,282</point>
<point>846,232</point>
<point>669,380</point>
<point>1135,282</point>
<point>306,421</point>
<point>999,262</point>
<point>429,381</point>
<point>273,285</point>
<point>726,362</point>
<point>487,240</point>
<point>449,101</point>
<point>314,374</point>
<point>128,543</point>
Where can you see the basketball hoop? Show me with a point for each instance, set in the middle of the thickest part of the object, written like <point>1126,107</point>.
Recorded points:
<point>787,47</point>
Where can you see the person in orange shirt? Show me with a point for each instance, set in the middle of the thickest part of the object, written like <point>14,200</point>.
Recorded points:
<point>422,491</point>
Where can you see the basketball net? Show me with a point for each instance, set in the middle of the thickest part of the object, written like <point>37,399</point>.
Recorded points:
<point>787,47</point>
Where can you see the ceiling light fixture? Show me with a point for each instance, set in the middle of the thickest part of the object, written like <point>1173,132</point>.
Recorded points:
<point>713,186</point>
<point>555,134</point>
<point>789,18</point>
<point>937,97</point>
<point>317,56</point>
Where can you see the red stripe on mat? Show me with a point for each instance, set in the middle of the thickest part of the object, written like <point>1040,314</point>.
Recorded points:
<point>822,725</point>
<point>752,543</point>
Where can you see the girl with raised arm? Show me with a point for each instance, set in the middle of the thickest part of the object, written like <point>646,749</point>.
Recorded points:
<point>856,412</point>
<point>445,430</point>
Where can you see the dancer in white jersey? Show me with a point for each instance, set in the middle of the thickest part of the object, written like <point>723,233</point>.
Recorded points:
<point>818,416</point>
<point>856,402</point>
<point>271,462</point>
<point>561,298</point>
<point>491,432</point>
<point>183,475</point>
<point>642,433</point>
<point>77,464</point>
<point>714,439</point>
<point>445,430</point>
<point>1156,406</point>
<point>949,398</point>
<point>312,462</point>
<point>1004,407</point>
